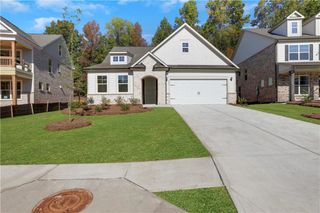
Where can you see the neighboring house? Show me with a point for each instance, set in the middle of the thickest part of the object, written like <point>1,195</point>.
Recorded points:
<point>183,69</point>
<point>33,68</point>
<point>280,64</point>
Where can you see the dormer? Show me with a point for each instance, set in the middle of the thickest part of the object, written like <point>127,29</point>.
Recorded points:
<point>120,58</point>
<point>312,25</point>
<point>290,27</point>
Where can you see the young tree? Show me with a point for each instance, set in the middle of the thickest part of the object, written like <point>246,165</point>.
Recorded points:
<point>163,31</point>
<point>188,14</point>
<point>136,36</point>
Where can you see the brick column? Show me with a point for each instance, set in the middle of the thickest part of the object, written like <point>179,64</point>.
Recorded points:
<point>292,76</point>
<point>14,89</point>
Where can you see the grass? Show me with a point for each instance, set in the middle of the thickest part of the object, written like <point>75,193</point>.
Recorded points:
<point>288,110</point>
<point>214,199</point>
<point>156,135</point>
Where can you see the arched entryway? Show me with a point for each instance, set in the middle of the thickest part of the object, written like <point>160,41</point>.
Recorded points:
<point>150,90</point>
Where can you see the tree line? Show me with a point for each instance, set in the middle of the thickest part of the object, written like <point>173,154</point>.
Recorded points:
<point>223,26</point>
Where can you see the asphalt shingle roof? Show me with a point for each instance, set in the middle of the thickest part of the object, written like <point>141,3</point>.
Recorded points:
<point>265,32</point>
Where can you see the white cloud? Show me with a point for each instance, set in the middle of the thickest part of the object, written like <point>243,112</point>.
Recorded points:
<point>40,23</point>
<point>13,5</point>
<point>249,7</point>
<point>53,4</point>
<point>168,4</point>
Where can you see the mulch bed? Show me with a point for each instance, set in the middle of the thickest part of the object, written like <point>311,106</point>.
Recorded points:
<point>309,104</point>
<point>313,115</point>
<point>68,124</point>
<point>110,110</point>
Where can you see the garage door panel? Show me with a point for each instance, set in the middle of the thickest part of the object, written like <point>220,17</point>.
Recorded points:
<point>197,91</point>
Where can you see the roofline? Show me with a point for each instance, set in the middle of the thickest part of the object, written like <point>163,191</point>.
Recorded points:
<point>311,19</point>
<point>185,25</point>
<point>52,40</point>
<point>285,19</point>
<point>152,55</point>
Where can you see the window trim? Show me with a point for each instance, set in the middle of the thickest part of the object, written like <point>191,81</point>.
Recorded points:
<point>270,81</point>
<point>262,83</point>
<point>42,86</point>
<point>292,27</point>
<point>50,65</point>
<point>299,85</point>
<point>97,84</point>
<point>48,90</point>
<point>123,83</point>
<point>185,47</point>
<point>60,50</point>
<point>10,86</point>
<point>298,52</point>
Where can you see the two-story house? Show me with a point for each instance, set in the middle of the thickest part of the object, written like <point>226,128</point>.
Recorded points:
<point>183,69</point>
<point>280,64</point>
<point>34,68</point>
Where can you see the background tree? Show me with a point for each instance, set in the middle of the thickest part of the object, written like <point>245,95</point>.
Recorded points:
<point>188,14</point>
<point>224,24</point>
<point>119,32</point>
<point>163,31</point>
<point>136,36</point>
<point>268,13</point>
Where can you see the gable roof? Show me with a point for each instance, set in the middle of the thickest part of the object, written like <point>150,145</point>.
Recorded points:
<point>44,39</point>
<point>267,33</point>
<point>316,16</point>
<point>200,38</point>
<point>135,52</point>
<point>295,15</point>
<point>160,62</point>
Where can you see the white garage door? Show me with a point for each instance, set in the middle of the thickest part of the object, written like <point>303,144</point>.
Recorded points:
<point>209,91</point>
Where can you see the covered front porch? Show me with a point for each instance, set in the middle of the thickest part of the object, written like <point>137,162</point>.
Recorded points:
<point>15,73</point>
<point>299,82</point>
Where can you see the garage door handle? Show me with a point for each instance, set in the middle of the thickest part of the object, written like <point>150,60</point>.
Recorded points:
<point>198,93</point>
<point>224,98</point>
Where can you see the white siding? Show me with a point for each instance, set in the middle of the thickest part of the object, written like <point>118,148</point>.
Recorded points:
<point>112,86</point>
<point>289,25</point>
<point>318,27</point>
<point>199,54</point>
<point>281,52</point>
<point>250,44</point>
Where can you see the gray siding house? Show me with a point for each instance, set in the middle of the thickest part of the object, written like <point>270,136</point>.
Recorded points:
<point>34,68</point>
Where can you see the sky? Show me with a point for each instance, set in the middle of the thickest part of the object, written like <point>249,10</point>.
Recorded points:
<point>33,15</point>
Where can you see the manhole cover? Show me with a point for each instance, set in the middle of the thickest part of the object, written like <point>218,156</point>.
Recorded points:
<point>66,201</point>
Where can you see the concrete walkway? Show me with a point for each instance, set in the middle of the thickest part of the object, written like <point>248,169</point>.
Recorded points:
<point>269,163</point>
<point>117,187</point>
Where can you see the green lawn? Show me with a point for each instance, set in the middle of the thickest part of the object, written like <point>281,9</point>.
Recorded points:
<point>288,110</point>
<point>156,135</point>
<point>214,199</point>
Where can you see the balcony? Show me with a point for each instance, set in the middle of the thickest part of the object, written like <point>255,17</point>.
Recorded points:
<point>21,69</point>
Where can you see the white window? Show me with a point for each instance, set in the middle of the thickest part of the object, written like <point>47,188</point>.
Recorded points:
<point>48,88</point>
<point>121,58</point>
<point>6,88</point>
<point>301,85</point>
<point>270,81</point>
<point>294,27</point>
<point>115,58</point>
<point>60,50</point>
<point>41,86</point>
<point>185,47</point>
<point>299,52</point>
<point>262,83</point>
<point>102,83</point>
<point>50,65</point>
<point>123,83</point>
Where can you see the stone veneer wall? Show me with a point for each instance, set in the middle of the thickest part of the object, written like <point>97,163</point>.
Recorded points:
<point>259,67</point>
<point>160,75</point>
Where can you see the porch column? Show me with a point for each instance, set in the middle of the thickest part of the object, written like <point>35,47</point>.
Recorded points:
<point>291,85</point>
<point>13,53</point>
<point>14,89</point>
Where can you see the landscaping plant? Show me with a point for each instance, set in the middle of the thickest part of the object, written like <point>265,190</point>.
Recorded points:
<point>125,107</point>
<point>90,100</point>
<point>105,102</point>
<point>98,108</point>
<point>242,101</point>
<point>120,100</point>
<point>134,101</point>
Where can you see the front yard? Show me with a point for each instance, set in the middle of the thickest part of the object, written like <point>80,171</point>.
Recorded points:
<point>288,110</point>
<point>156,135</point>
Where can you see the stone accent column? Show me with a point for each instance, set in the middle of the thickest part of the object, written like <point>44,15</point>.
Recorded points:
<point>14,89</point>
<point>292,76</point>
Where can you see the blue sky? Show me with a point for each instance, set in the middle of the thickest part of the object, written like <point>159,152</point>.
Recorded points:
<point>33,15</point>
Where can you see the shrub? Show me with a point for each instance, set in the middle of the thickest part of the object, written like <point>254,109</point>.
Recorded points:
<point>307,99</point>
<point>125,107</point>
<point>75,105</point>
<point>90,100</point>
<point>85,107</point>
<point>120,100</point>
<point>98,108</point>
<point>134,101</point>
<point>242,101</point>
<point>105,102</point>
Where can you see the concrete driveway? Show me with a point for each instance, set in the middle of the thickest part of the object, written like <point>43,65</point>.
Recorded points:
<point>269,163</point>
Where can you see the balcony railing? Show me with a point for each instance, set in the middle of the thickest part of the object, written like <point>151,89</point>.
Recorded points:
<point>20,65</point>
